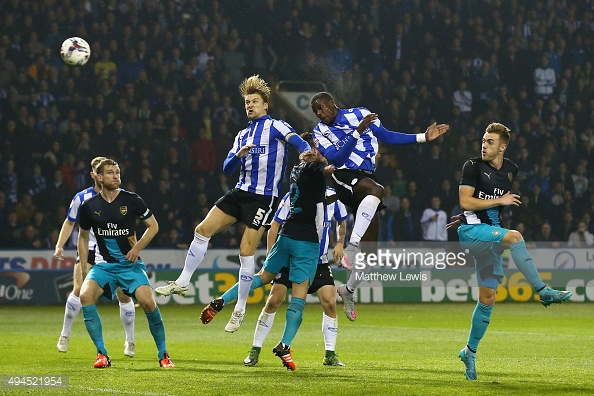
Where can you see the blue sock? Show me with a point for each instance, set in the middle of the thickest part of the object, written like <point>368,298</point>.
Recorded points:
<point>157,329</point>
<point>231,294</point>
<point>526,265</point>
<point>293,321</point>
<point>480,321</point>
<point>94,327</point>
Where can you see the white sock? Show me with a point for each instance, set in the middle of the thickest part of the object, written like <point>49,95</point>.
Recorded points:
<point>365,213</point>
<point>265,321</point>
<point>128,315</point>
<point>246,276</point>
<point>195,255</point>
<point>330,331</point>
<point>356,277</point>
<point>70,313</point>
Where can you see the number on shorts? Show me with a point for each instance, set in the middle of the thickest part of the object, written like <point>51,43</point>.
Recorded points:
<point>259,216</point>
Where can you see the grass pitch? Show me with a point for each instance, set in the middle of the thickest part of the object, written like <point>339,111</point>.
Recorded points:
<point>392,349</point>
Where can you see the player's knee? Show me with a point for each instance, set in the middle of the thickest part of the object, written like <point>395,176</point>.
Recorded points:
<point>86,299</point>
<point>148,306</point>
<point>329,307</point>
<point>377,191</point>
<point>513,236</point>
<point>488,300</point>
<point>124,299</point>
<point>273,303</point>
<point>265,276</point>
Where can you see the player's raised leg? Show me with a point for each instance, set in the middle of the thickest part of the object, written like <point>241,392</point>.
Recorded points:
<point>214,222</point>
<point>517,247</point>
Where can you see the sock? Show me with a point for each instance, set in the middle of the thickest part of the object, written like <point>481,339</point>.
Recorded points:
<point>265,321</point>
<point>157,329</point>
<point>480,321</point>
<point>93,325</point>
<point>70,313</point>
<point>293,321</point>
<point>231,293</point>
<point>128,315</point>
<point>526,265</point>
<point>194,257</point>
<point>357,276</point>
<point>330,331</point>
<point>365,213</point>
<point>246,276</point>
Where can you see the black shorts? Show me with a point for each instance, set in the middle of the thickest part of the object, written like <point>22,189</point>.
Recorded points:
<point>253,209</point>
<point>345,180</point>
<point>90,257</point>
<point>323,278</point>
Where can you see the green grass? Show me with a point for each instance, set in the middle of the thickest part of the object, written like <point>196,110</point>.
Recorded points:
<point>408,349</point>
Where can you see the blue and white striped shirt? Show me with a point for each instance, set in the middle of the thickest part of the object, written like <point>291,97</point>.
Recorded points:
<point>74,214</point>
<point>263,169</point>
<point>342,150</point>
<point>335,210</point>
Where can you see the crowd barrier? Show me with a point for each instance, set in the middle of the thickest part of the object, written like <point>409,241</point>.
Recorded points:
<point>34,277</point>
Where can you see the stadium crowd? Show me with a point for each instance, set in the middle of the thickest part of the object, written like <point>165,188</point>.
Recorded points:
<point>159,95</point>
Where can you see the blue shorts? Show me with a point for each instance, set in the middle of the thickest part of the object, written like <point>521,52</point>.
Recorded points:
<point>125,275</point>
<point>483,241</point>
<point>301,257</point>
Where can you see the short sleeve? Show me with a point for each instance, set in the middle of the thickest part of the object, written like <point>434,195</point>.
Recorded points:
<point>470,174</point>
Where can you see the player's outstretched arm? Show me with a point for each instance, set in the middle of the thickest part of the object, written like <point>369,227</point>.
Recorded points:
<point>152,227</point>
<point>65,233</point>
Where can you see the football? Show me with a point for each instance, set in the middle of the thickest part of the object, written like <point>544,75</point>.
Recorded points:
<point>75,51</point>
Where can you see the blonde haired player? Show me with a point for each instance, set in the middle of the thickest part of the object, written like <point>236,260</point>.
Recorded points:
<point>260,152</point>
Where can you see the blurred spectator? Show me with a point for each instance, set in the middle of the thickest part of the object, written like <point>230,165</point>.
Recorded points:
<point>564,226</point>
<point>545,234</point>
<point>57,192</point>
<point>544,79</point>
<point>406,223</point>
<point>433,222</point>
<point>340,58</point>
<point>203,150</point>
<point>234,61</point>
<point>399,183</point>
<point>174,241</point>
<point>105,67</point>
<point>579,180</point>
<point>462,98</point>
<point>25,209</point>
<point>10,231</point>
<point>9,182</point>
<point>581,237</point>
<point>29,238</point>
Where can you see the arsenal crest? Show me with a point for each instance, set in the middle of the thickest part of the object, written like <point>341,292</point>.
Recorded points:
<point>123,210</point>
